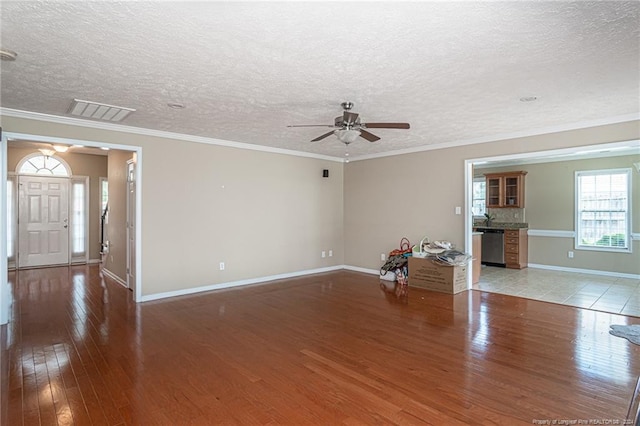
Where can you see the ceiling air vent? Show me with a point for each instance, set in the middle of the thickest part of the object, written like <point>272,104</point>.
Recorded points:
<point>97,111</point>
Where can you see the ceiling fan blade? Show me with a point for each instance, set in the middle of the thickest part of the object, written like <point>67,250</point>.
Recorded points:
<point>323,136</point>
<point>349,117</point>
<point>386,125</point>
<point>311,125</point>
<point>368,136</point>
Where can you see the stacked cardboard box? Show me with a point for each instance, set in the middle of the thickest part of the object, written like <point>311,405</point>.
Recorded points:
<point>431,275</point>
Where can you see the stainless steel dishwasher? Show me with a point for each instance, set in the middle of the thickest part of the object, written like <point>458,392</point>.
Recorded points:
<point>493,247</point>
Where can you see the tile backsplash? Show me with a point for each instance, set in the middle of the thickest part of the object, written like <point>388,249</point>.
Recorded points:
<point>508,215</point>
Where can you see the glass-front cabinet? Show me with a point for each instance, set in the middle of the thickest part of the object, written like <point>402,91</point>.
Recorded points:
<point>505,189</point>
<point>494,191</point>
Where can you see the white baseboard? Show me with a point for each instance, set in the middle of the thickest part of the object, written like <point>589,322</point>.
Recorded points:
<point>585,271</point>
<point>260,280</point>
<point>187,291</point>
<point>365,270</point>
<point>114,277</point>
<point>94,261</point>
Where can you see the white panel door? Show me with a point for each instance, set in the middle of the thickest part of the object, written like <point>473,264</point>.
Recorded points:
<point>43,221</point>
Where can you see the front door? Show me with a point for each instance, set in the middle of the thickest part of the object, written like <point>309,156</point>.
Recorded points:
<point>43,221</point>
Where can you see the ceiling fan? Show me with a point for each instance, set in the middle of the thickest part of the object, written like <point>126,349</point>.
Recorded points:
<point>348,127</point>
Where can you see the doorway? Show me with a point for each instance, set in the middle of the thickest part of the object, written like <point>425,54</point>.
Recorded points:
<point>6,184</point>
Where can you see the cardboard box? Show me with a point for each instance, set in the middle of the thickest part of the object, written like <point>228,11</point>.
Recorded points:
<point>427,274</point>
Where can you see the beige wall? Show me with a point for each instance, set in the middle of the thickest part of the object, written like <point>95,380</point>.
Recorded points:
<point>261,213</point>
<point>116,228</point>
<point>265,214</point>
<point>549,205</point>
<point>414,195</point>
<point>93,166</point>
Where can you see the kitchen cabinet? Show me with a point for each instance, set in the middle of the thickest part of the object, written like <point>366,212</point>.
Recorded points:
<point>505,190</point>
<point>516,243</point>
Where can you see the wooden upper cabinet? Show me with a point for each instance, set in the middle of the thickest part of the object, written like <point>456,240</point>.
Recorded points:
<point>505,189</point>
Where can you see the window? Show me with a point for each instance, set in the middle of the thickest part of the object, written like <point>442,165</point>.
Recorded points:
<point>79,209</point>
<point>10,216</point>
<point>479,204</point>
<point>104,194</point>
<point>603,219</point>
<point>77,212</point>
<point>37,164</point>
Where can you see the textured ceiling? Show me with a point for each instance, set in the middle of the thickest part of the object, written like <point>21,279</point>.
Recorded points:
<point>455,71</point>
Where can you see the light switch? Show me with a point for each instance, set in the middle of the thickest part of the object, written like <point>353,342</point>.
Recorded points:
<point>458,210</point>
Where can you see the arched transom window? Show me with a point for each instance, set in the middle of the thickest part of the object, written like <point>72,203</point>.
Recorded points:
<point>37,164</point>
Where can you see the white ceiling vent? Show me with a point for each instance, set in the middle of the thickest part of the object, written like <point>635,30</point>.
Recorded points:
<point>98,111</point>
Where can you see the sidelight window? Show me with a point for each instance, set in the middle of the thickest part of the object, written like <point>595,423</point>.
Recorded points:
<point>11,214</point>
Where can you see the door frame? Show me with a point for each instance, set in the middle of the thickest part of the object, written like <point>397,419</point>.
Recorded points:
<point>131,275</point>
<point>5,291</point>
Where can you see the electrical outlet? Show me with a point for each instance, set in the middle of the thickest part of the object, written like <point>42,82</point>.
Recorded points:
<point>570,254</point>
<point>222,266</point>
<point>383,257</point>
<point>330,253</point>
<point>324,254</point>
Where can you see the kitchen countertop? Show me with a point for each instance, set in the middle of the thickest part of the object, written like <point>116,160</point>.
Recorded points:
<point>502,225</point>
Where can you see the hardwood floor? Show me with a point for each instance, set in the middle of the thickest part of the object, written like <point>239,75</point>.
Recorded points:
<point>325,349</point>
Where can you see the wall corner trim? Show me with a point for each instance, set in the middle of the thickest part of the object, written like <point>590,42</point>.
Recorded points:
<point>551,233</point>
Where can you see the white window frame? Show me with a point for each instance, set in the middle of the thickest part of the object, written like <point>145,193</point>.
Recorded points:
<point>628,217</point>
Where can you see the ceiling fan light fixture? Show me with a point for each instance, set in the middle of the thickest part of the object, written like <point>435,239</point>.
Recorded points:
<point>47,152</point>
<point>61,148</point>
<point>347,135</point>
<point>8,55</point>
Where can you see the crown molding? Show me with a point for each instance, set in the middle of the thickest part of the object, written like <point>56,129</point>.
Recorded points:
<point>70,121</point>
<point>505,136</point>
<point>9,112</point>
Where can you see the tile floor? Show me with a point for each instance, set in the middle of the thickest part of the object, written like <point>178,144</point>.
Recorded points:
<point>600,293</point>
